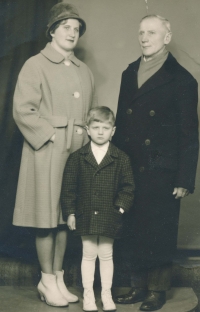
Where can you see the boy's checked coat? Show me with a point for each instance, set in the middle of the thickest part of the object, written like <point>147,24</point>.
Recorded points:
<point>96,192</point>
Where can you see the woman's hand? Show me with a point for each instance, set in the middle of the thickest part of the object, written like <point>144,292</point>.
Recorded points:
<point>71,222</point>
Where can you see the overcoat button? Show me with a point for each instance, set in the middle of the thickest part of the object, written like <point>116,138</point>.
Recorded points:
<point>147,142</point>
<point>79,131</point>
<point>67,63</point>
<point>127,140</point>
<point>141,169</point>
<point>96,212</point>
<point>129,111</point>
<point>76,94</point>
<point>152,113</point>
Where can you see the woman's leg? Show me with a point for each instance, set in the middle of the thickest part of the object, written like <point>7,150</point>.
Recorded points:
<point>45,245</point>
<point>60,248</point>
<point>87,271</point>
<point>47,287</point>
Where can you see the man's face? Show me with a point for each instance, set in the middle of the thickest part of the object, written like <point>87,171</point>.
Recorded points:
<point>153,36</point>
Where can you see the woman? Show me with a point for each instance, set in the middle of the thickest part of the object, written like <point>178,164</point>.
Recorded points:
<point>53,95</point>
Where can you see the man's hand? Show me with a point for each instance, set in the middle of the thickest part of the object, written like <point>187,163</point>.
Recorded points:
<point>71,222</point>
<point>180,192</point>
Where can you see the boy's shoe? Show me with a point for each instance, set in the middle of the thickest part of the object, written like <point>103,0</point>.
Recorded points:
<point>108,303</point>
<point>89,304</point>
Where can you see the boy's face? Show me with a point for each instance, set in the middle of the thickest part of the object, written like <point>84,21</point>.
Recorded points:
<point>100,132</point>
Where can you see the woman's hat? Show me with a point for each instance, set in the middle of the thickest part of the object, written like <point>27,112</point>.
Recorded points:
<point>62,11</point>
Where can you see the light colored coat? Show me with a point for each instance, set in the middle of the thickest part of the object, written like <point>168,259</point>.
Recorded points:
<point>50,97</point>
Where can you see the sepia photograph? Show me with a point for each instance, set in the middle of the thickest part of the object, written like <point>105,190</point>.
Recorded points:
<point>99,157</point>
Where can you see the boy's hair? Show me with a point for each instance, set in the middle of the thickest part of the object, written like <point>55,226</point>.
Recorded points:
<point>100,114</point>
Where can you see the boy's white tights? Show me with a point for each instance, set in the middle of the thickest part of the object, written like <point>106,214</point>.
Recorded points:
<point>93,246</point>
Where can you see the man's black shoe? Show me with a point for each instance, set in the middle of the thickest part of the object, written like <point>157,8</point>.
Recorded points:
<point>153,301</point>
<point>133,296</point>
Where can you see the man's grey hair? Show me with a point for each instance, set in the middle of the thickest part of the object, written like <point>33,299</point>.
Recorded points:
<point>161,18</point>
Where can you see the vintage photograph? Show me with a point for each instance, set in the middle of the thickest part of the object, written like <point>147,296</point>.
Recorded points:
<point>99,171</point>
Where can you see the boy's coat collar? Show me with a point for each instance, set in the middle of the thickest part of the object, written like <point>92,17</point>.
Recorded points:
<point>89,157</point>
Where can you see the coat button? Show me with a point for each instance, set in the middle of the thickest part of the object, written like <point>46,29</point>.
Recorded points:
<point>141,169</point>
<point>76,94</point>
<point>79,131</point>
<point>67,63</point>
<point>129,111</point>
<point>96,212</point>
<point>152,113</point>
<point>147,142</point>
<point>127,140</point>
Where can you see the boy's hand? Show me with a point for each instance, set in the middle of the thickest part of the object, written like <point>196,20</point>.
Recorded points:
<point>71,222</point>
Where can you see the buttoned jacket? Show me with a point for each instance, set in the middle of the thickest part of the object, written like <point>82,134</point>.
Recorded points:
<point>96,192</point>
<point>157,124</point>
<point>50,98</point>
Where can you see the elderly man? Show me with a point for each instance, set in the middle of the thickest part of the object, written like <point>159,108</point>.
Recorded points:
<point>157,126</point>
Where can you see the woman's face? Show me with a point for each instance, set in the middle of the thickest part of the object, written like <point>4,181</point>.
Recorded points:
<point>65,37</point>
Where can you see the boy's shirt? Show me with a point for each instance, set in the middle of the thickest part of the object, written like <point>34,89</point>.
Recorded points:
<point>99,151</point>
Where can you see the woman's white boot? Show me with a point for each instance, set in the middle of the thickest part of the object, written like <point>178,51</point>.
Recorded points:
<point>108,303</point>
<point>49,291</point>
<point>89,301</point>
<point>63,289</point>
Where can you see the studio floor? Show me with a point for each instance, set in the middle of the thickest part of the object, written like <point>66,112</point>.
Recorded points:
<point>25,299</point>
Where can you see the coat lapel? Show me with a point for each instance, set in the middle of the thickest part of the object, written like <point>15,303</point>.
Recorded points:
<point>89,157</point>
<point>162,76</point>
<point>108,159</point>
<point>130,86</point>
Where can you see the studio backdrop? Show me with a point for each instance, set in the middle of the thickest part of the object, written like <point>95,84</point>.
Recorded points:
<point>108,46</point>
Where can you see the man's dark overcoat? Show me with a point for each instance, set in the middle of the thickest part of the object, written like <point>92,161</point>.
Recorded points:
<point>157,126</point>
<point>94,193</point>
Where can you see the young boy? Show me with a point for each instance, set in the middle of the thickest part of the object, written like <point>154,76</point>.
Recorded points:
<point>98,187</point>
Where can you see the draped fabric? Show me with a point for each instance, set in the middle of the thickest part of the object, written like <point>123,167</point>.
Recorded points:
<point>22,32</point>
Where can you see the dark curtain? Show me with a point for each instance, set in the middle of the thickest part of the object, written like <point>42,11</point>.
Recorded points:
<point>22,32</point>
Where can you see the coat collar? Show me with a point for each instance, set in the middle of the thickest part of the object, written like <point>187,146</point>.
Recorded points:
<point>109,157</point>
<point>162,76</point>
<point>54,56</point>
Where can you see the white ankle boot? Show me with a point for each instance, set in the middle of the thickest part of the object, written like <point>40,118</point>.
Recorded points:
<point>89,301</point>
<point>106,297</point>
<point>49,291</point>
<point>63,289</point>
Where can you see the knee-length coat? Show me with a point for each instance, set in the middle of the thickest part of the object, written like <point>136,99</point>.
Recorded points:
<point>157,126</point>
<point>94,193</point>
<point>50,98</point>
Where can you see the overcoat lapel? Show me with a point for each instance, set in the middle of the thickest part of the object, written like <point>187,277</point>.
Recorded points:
<point>162,76</point>
<point>109,157</point>
<point>129,81</point>
<point>89,157</point>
